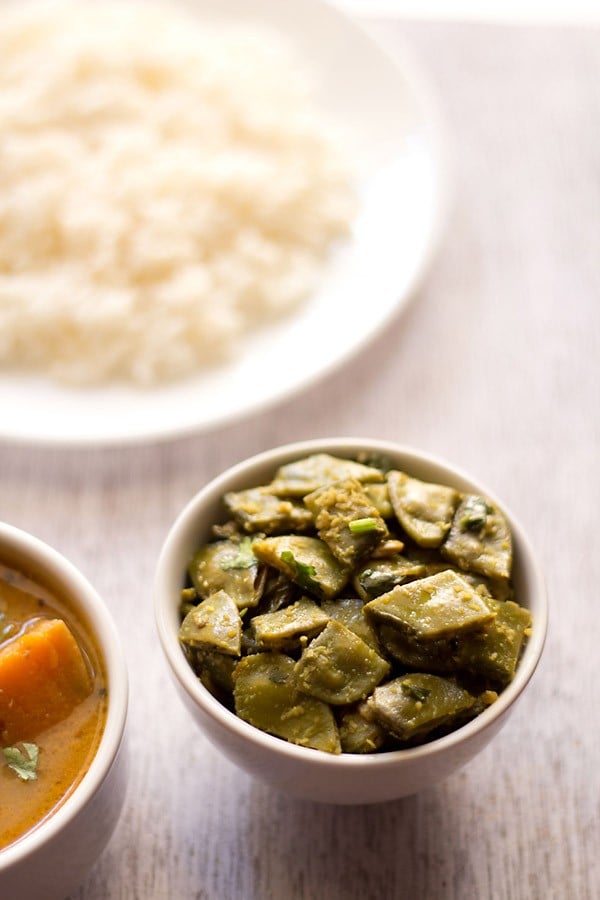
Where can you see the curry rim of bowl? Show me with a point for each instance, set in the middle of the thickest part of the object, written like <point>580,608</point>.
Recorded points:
<point>195,519</point>
<point>49,568</point>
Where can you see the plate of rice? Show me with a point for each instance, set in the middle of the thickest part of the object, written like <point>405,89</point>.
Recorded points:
<point>207,206</point>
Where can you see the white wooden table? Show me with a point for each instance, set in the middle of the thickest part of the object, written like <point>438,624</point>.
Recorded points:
<point>496,367</point>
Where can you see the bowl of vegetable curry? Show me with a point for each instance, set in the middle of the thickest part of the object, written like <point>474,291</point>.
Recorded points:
<point>349,620</point>
<point>63,700</point>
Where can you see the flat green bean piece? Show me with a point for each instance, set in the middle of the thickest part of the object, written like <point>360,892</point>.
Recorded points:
<point>307,561</point>
<point>302,619</point>
<point>359,730</point>
<point>346,520</point>
<point>480,539</point>
<point>213,624</point>
<point>349,612</point>
<point>414,705</point>
<point>379,496</point>
<point>338,667</point>
<point>230,566</point>
<point>424,510</point>
<point>266,697</point>
<point>257,510</point>
<point>494,652</point>
<point>378,576</point>
<point>439,657</point>
<point>441,606</point>
<point>299,478</point>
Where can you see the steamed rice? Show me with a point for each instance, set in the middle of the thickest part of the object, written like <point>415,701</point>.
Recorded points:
<point>163,189</point>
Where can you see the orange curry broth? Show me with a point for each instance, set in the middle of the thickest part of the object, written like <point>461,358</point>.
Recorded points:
<point>67,748</point>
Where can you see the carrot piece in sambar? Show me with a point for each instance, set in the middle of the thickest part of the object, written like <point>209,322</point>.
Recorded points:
<point>43,676</point>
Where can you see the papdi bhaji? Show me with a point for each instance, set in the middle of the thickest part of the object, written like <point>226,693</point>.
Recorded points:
<point>350,607</point>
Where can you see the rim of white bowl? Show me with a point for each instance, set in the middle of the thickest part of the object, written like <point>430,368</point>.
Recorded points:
<point>166,607</point>
<point>81,596</point>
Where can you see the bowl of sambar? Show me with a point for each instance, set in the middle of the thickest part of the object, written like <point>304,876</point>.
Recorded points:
<point>63,706</point>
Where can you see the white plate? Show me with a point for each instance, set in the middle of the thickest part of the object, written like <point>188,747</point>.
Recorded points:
<point>386,108</point>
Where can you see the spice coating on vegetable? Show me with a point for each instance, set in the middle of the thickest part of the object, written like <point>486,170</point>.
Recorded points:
<point>366,610</point>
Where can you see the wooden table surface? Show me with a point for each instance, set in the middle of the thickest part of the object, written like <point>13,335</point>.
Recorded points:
<point>496,368</point>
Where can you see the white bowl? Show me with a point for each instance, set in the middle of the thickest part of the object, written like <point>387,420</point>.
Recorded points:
<point>313,774</point>
<point>53,859</point>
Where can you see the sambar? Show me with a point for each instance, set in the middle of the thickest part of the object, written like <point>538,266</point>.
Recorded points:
<point>53,698</point>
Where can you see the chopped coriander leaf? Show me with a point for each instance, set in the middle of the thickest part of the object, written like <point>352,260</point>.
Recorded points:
<point>23,760</point>
<point>304,574</point>
<point>361,526</point>
<point>243,559</point>
<point>475,513</point>
<point>415,692</point>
